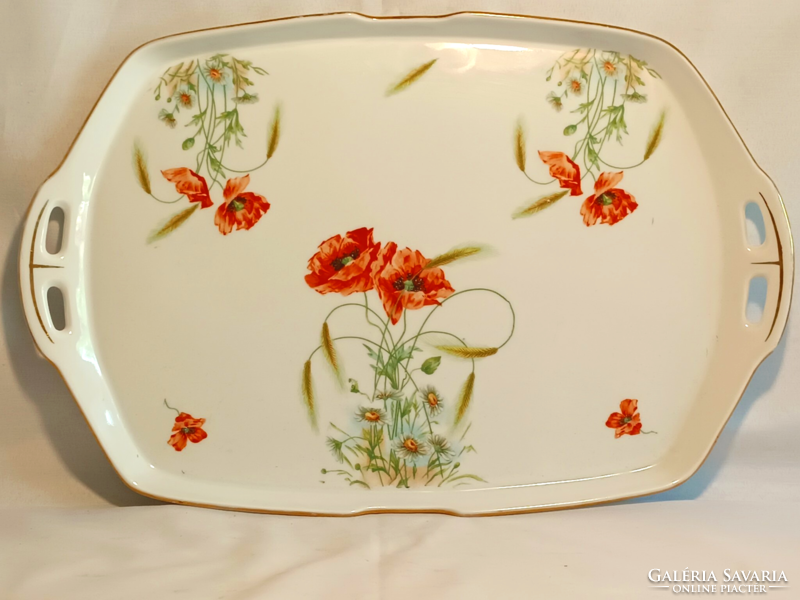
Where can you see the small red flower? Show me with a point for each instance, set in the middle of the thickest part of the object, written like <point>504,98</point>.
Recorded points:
<point>564,169</point>
<point>186,427</point>
<point>344,264</point>
<point>402,281</point>
<point>241,209</point>
<point>627,421</point>
<point>190,184</point>
<point>608,204</point>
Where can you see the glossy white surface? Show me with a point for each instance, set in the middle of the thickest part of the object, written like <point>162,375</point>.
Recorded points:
<point>119,277</point>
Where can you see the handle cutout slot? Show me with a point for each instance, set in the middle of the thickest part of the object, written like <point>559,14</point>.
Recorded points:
<point>55,307</point>
<point>755,230</point>
<point>55,231</point>
<point>756,300</point>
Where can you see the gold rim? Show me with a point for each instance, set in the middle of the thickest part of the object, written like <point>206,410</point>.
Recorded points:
<point>433,511</point>
<point>779,264</point>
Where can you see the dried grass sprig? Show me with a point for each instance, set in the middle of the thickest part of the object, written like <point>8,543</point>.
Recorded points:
<point>655,136</point>
<point>468,351</point>
<point>172,224</point>
<point>308,394</point>
<point>274,132</point>
<point>140,167</point>
<point>539,205</point>
<point>411,77</point>
<point>465,397</point>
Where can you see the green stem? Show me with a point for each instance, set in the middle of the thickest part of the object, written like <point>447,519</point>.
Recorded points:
<point>165,201</point>
<point>620,168</point>
<point>442,303</point>
<point>171,407</point>
<point>537,182</point>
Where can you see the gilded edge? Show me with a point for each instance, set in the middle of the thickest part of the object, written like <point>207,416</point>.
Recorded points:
<point>778,262</point>
<point>403,17</point>
<point>32,265</point>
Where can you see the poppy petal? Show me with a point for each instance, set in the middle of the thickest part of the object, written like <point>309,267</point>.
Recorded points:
<point>606,181</point>
<point>190,184</point>
<point>563,168</point>
<point>197,435</point>
<point>177,441</point>
<point>628,407</point>
<point>235,186</point>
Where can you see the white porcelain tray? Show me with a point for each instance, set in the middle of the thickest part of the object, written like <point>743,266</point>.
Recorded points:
<point>476,264</point>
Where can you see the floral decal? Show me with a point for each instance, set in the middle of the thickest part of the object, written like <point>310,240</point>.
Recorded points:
<point>240,209</point>
<point>343,264</point>
<point>404,281</point>
<point>402,432</point>
<point>186,428</point>
<point>604,85</point>
<point>564,170</point>
<point>608,204</point>
<point>627,421</point>
<point>212,93</point>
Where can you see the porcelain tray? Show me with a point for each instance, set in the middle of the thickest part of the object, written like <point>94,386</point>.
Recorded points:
<point>476,264</point>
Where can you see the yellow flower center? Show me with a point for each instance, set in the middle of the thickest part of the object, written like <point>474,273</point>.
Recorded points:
<point>372,416</point>
<point>411,445</point>
<point>609,67</point>
<point>433,400</point>
<point>576,86</point>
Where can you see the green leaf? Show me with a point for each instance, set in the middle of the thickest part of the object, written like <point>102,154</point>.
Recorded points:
<point>354,386</point>
<point>371,353</point>
<point>187,143</point>
<point>216,165</point>
<point>570,129</point>
<point>430,365</point>
<point>583,107</point>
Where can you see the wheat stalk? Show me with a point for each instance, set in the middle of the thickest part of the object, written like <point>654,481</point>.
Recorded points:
<point>410,78</point>
<point>655,137</point>
<point>468,351</point>
<point>140,166</point>
<point>465,397</point>
<point>539,205</point>
<point>308,394</point>
<point>274,133</point>
<point>329,351</point>
<point>519,146</point>
<point>452,255</point>
<point>174,222</point>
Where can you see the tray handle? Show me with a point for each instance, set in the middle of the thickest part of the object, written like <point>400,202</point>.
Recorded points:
<point>40,270</point>
<point>773,260</point>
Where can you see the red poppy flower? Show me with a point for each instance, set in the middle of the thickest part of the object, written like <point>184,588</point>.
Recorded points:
<point>564,169</point>
<point>186,427</point>
<point>627,421</point>
<point>403,282</point>
<point>608,204</point>
<point>344,264</point>
<point>241,209</point>
<point>190,184</point>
